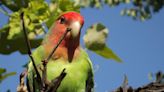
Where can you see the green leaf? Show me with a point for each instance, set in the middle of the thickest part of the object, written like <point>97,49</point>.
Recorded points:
<point>67,5</point>
<point>95,36</point>
<point>95,40</point>
<point>4,76</point>
<point>108,54</point>
<point>14,26</point>
<point>34,15</point>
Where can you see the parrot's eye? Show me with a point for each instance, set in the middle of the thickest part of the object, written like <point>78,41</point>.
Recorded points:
<point>62,20</point>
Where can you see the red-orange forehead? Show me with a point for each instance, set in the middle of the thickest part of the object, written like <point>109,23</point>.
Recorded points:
<point>74,16</point>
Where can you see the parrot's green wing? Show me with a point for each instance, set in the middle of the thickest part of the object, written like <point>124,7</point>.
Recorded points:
<point>79,77</point>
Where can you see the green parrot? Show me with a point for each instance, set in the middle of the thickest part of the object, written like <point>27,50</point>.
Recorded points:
<point>68,55</point>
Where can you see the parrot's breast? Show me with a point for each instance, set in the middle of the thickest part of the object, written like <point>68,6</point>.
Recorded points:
<point>77,73</point>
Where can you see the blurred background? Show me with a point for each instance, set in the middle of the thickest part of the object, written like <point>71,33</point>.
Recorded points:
<point>139,43</point>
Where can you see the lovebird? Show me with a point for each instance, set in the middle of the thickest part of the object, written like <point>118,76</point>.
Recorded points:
<point>68,55</point>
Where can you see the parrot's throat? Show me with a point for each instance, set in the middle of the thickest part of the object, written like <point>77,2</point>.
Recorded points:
<point>72,49</point>
<point>68,49</point>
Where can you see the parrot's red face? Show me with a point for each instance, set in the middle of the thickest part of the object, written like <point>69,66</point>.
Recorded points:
<point>72,20</point>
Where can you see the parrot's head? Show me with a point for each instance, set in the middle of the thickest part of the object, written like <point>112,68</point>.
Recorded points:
<point>69,46</point>
<point>73,21</point>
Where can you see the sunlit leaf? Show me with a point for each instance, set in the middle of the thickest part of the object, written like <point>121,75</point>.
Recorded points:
<point>106,52</point>
<point>95,37</point>
<point>95,40</point>
<point>14,26</point>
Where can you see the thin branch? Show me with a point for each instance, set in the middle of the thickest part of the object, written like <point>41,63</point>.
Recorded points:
<point>56,82</point>
<point>29,49</point>
<point>44,74</point>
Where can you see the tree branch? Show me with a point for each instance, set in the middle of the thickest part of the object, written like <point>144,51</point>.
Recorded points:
<point>29,49</point>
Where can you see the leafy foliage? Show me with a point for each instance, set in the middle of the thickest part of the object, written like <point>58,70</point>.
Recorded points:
<point>141,9</point>
<point>95,40</point>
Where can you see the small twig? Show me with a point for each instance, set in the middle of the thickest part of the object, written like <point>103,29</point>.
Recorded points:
<point>44,74</point>
<point>29,49</point>
<point>56,82</point>
<point>25,34</point>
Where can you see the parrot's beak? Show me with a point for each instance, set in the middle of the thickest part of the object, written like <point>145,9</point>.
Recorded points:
<point>75,26</point>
